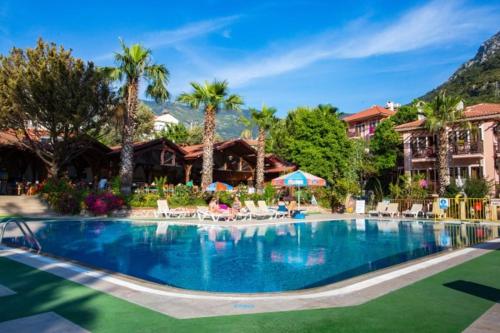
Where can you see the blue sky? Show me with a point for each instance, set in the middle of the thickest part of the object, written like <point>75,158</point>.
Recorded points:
<point>352,54</point>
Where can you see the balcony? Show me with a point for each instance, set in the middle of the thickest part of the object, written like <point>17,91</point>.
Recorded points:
<point>423,153</point>
<point>467,148</point>
<point>353,134</point>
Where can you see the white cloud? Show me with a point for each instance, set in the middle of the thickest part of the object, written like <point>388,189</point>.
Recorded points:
<point>434,24</point>
<point>168,37</point>
<point>164,38</point>
<point>226,33</point>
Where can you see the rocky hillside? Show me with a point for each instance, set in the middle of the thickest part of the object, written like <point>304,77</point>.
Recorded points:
<point>478,80</point>
<point>228,124</point>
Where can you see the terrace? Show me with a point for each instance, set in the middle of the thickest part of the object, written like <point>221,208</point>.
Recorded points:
<point>467,148</point>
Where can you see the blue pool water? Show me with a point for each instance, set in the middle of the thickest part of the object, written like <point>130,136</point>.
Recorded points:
<point>246,259</point>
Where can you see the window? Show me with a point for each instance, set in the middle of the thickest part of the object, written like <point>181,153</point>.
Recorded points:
<point>167,157</point>
<point>476,172</point>
<point>360,129</point>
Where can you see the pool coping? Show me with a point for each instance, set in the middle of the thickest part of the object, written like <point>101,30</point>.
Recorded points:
<point>181,303</point>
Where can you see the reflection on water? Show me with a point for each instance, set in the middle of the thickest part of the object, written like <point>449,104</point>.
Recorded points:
<point>250,259</point>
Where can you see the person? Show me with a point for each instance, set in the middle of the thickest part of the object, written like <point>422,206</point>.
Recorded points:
<point>103,182</point>
<point>236,205</point>
<point>292,208</point>
<point>213,206</point>
<point>282,206</point>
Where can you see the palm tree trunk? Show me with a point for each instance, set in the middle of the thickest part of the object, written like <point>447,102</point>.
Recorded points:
<point>127,153</point>
<point>208,147</point>
<point>261,151</point>
<point>442,161</point>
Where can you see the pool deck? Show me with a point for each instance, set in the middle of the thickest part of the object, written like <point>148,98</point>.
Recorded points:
<point>190,304</point>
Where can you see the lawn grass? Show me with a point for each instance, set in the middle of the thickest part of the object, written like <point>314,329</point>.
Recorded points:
<point>426,306</point>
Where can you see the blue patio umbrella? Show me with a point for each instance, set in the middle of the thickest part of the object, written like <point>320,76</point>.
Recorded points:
<point>298,178</point>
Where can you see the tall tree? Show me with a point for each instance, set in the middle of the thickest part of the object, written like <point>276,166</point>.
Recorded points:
<point>212,97</point>
<point>52,102</point>
<point>443,112</point>
<point>385,147</point>
<point>134,64</point>
<point>112,131</point>
<point>264,120</point>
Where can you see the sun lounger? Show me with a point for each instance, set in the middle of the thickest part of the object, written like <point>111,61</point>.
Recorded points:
<point>381,207</point>
<point>263,207</point>
<point>392,210</point>
<point>203,213</point>
<point>256,213</point>
<point>164,210</point>
<point>415,211</point>
<point>243,214</point>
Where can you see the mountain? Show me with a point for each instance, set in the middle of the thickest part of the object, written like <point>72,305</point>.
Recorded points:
<point>228,122</point>
<point>477,80</point>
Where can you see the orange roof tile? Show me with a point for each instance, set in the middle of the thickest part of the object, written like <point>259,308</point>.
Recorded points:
<point>472,112</point>
<point>369,113</point>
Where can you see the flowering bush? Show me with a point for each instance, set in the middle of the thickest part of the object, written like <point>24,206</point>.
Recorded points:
<point>62,196</point>
<point>103,203</point>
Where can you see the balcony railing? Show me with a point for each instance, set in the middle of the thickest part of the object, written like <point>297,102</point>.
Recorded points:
<point>353,134</point>
<point>429,152</point>
<point>467,148</point>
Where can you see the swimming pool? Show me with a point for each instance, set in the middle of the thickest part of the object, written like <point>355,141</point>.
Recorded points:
<point>251,259</point>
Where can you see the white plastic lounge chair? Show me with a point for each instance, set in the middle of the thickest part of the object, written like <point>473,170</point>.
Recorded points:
<point>381,207</point>
<point>392,210</point>
<point>415,210</point>
<point>263,207</point>
<point>164,210</point>
<point>256,213</point>
<point>203,213</point>
<point>243,214</point>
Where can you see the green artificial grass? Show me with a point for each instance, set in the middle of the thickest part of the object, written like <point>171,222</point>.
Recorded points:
<point>446,302</point>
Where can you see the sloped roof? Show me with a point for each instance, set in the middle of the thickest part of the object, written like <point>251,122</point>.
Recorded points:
<point>195,151</point>
<point>8,138</point>
<point>373,111</point>
<point>478,111</point>
<point>279,164</point>
<point>146,144</point>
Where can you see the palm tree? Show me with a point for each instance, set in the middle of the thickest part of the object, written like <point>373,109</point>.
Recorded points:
<point>264,120</point>
<point>440,114</point>
<point>212,97</point>
<point>133,64</point>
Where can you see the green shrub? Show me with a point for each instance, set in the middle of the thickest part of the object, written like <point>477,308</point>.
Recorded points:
<point>142,200</point>
<point>116,185</point>
<point>407,187</point>
<point>226,198</point>
<point>160,185</point>
<point>452,190</point>
<point>269,194</point>
<point>477,188</point>
<point>62,196</point>
<point>182,196</point>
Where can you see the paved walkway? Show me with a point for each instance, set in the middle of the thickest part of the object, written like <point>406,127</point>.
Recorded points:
<point>489,322</point>
<point>48,322</point>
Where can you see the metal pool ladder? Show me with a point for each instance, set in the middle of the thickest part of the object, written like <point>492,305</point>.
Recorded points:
<point>29,236</point>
